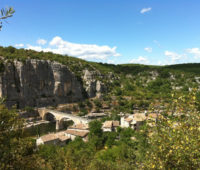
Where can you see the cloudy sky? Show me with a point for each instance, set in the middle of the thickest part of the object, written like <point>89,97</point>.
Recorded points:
<point>156,32</point>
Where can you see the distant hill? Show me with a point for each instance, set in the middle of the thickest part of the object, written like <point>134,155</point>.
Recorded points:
<point>190,67</point>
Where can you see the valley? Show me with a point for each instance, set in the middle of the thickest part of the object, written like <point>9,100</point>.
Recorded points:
<point>71,108</point>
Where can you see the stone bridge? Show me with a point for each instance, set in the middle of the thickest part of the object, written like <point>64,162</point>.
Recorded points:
<point>60,117</point>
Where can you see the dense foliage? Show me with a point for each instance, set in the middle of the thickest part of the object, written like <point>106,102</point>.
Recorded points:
<point>15,151</point>
<point>175,139</point>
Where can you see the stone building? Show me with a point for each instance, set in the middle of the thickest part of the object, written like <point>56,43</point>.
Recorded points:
<point>59,138</point>
<point>72,134</point>
<point>132,121</point>
<point>110,126</point>
<point>78,130</point>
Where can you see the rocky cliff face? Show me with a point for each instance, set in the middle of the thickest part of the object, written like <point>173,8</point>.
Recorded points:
<point>93,87</point>
<point>38,83</point>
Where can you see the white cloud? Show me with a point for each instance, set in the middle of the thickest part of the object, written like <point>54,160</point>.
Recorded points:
<point>148,49</point>
<point>144,10</point>
<point>84,51</point>
<point>194,51</point>
<point>174,56</point>
<point>36,48</point>
<point>19,45</point>
<point>41,41</point>
<point>140,60</point>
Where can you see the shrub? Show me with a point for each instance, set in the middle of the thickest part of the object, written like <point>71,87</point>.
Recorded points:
<point>97,103</point>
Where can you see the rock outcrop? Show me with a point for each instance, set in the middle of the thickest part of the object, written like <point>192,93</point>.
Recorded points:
<point>38,83</point>
<point>93,87</point>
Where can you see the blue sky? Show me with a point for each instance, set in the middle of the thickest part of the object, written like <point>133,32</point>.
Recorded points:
<point>155,32</point>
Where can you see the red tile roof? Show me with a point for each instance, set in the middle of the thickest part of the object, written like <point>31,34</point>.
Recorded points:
<point>107,124</point>
<point>77,133</point>
<point>79,126</point>
<point>64,138</point>
<point>115,123</point>
<point>128,119</point>
<point>49,137</point>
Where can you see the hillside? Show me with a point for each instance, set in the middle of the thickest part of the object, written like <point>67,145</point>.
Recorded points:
<point>140,84</point>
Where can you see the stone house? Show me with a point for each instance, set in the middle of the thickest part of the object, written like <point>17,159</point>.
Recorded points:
<point>53,138</point>
<point>78,130</point>
<point>110,126</point>
<point>132,121</point>
<point>127,121</point>
<point>79,127</point>
<point>139,118</point>
<point>115,124</point>
<point>107,126</point>
<point>72,134</point>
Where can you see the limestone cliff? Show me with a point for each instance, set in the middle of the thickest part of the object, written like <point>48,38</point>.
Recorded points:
<point>93,87</point>
<point>38,83</point>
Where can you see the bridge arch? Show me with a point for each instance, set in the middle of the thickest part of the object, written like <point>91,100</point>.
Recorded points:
<point>64,122</point>
<point>59,117</point>
<point>49,117</point>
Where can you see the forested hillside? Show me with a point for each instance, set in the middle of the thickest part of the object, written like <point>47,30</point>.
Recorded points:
<point>141,84</point>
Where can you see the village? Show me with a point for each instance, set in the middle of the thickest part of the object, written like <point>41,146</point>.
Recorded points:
<point>81,128</point>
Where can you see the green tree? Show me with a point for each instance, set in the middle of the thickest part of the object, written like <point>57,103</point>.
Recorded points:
<point>52,157</point>
<point>78,154</point>
<point>14,149</point>
<point>125,134</point>
<point>115,158</point>
<point>96,134</point>
<point>175,140</point>
<point>109,138</point>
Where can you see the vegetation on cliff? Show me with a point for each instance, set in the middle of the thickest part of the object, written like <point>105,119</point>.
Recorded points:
<point>142,83</point>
